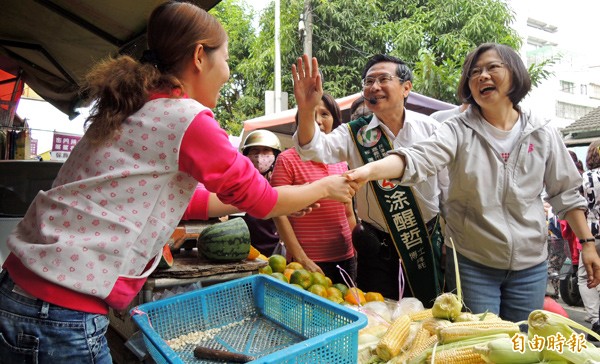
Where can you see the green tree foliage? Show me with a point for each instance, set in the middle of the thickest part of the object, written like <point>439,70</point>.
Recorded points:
<point>252,58</point>
<point>233,107</point>
<point>432,36</point>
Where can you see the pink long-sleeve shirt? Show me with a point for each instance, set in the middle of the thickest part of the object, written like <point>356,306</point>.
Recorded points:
<point>197,147</point>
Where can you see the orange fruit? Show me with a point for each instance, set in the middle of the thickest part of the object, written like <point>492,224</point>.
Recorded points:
<point>342,287</point>
<point>253,254</point>
<point>302,277</point>
<point>373,296</point>
<point>329,282</point>
<point>352,295</point>
<point>335,299</point>
<point>319,278</point>
<point>280,276</point>
<point>288,272</point>
<point>334,292</point>
<point>277,263</point>
<point>265,270</point>
<point>318,290</point>
<point>295,265</point>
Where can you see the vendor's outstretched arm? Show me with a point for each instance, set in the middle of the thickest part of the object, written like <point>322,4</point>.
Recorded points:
<point>390,167</point>
<point>202,208</point>
<point>308,91</point>
<point>216,208</point>
<point>295,198</point>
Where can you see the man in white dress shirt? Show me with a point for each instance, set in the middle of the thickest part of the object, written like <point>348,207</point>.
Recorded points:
<point>396,225</point>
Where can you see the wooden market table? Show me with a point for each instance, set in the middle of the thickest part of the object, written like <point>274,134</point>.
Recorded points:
<point>188,269</point>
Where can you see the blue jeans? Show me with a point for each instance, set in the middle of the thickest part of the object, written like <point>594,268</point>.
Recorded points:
<point>34,331</point>
<point>510,294</point>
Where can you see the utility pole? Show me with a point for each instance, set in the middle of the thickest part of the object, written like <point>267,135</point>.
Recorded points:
<point>277,58</point>
<point>307,28</point>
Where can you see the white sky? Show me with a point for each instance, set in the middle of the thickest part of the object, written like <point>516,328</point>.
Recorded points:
<point>259,4</point>
<point>577,22</point>
<point>578,29</point>
<point>44,119</point>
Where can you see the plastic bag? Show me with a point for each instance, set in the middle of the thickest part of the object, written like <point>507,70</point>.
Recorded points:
<point>280,249</point>
<point>406,306</point>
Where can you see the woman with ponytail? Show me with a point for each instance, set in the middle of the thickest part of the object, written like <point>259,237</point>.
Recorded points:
<point>89,243</point>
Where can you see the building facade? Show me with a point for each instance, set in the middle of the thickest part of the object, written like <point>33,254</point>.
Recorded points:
<point>573,88</point>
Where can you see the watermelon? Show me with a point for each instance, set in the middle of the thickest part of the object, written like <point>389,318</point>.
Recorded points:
<point>166,260</point>
<point>227,241</point>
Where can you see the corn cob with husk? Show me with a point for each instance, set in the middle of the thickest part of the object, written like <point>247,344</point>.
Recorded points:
<point>421,315</point>
<point>447,306</point>
<point>423,340</point>
<point>371,333</point>
<point>488,316</point>
<point>434,324</point>
<point>462,355</point>
<point>468,316</point>
<point>468,329</point>
<point>423,345</point>
<point>435,350</point>
<point>393,340</point>
<point>368,338</point>
<point>415,327</point>
<point>503,351</point>
<point>548,324</point>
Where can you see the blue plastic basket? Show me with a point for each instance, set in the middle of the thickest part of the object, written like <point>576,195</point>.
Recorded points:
<point>259,316</point>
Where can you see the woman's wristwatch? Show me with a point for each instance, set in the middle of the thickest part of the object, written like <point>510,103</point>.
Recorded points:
<point>588,240</point>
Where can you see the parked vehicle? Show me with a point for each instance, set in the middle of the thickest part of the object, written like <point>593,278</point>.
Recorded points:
<point>562,274</point>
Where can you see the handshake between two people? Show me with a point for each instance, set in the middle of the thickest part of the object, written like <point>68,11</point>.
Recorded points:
<point>343,187</point>
<point>390,167</point>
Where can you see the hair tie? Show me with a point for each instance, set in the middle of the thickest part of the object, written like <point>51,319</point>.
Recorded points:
<point>149,57</point>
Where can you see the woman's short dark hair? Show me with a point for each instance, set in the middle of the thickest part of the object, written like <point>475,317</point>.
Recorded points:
<point>333,108</point>
<point>359,108</point>
<point>577,162</point>
<point>520,79</point>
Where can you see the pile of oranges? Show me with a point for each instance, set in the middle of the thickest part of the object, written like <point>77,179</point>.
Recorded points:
<point>315,282</point>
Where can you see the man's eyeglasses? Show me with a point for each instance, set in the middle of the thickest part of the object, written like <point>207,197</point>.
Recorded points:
<point>381,80</point>
<point>491,68</point>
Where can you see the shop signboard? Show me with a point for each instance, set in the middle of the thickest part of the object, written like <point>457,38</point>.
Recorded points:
<point>62,145</point>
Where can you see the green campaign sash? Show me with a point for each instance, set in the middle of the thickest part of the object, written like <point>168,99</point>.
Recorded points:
<point>420,251</point>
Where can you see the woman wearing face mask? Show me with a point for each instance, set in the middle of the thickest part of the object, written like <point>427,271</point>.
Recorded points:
<point>321,240</point>
<point>262,148</point>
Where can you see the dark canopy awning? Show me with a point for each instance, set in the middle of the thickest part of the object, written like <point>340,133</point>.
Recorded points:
<point>53,43</point>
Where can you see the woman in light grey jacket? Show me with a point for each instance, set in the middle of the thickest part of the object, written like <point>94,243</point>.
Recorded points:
<point>499,158</point>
